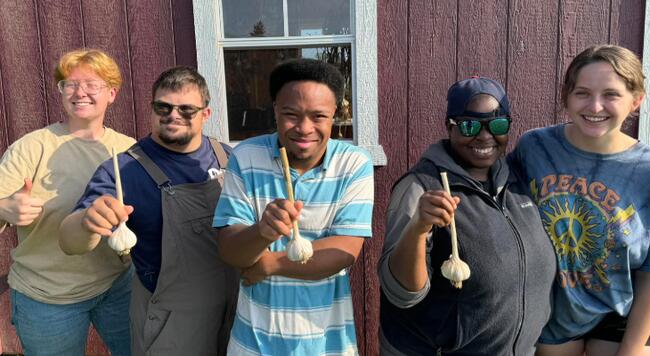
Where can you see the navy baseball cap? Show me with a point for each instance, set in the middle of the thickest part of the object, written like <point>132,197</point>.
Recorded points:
<point>463,91</point>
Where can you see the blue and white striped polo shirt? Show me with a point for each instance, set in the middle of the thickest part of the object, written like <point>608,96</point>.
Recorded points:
<point>286,316</point>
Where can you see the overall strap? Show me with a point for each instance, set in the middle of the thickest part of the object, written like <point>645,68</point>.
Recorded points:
<point>161,179</point>
<point>222,157</point>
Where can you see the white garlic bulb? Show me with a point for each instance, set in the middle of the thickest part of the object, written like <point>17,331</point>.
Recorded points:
<point>299,249</point>
<point>455,270</point>
<point>122,239</point>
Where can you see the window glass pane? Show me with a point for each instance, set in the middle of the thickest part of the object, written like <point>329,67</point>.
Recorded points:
<point>252,18</point>
<point>250,110</point>
<point>318,17</point>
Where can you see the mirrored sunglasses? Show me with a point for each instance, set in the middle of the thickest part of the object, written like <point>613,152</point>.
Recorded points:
<point>470,128</point>
<point>187,111</point>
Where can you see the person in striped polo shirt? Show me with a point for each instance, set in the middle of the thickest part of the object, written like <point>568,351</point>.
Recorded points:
<point>284,307</point>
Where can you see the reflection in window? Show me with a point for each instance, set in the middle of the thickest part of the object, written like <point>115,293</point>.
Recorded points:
<point>318,17</point>
<point>252,18</point>
<point>250,110</point>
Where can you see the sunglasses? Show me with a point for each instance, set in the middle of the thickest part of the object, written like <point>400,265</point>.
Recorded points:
<point>470,128</point>
<point>187,111</point>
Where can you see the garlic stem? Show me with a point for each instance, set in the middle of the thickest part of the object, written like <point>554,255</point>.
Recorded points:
<point>118,179</point>
<point>454,269</point>
<point>298,249</point>
<point>122,238</point>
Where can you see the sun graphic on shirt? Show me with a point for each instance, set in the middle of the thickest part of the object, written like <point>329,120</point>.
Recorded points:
<point>571,230</point>
<point>579,230</point>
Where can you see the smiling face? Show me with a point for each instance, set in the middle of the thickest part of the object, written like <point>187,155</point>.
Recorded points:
<point>478,153</point>
<point>82,107</point>
<point>597,106</point>
<point>173,131</point>
<point>304,113</point>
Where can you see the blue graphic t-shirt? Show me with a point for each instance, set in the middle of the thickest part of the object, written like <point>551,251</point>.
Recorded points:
<point>596,211</point>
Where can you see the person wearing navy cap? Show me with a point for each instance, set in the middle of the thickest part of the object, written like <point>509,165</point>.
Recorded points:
<point>502,307</point>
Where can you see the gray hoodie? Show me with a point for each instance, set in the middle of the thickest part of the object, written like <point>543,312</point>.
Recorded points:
<point>503,306</point>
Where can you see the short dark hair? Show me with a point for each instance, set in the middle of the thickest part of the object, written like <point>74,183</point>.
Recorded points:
<point>304,69</point>
<point>176,78</point>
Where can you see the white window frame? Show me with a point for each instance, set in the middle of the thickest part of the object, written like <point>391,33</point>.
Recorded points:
<point>210,60</point>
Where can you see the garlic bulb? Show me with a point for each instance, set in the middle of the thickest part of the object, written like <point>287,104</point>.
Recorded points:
<point>454,269</point>
<point>122,240</point>
<point>299,249</point>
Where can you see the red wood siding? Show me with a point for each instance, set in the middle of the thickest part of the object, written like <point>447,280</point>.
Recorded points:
<point>423,47</point>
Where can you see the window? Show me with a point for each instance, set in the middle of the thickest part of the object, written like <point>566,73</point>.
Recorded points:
<point>240,41</point>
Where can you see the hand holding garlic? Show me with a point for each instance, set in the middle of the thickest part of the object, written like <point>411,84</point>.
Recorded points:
<point>298,249</point>
<point>122,239</point>
<point>454,269</point>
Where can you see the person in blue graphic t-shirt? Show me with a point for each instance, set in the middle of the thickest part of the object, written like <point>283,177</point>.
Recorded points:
<point>588,179</point>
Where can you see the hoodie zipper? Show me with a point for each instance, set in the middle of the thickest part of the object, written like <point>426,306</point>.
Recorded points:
<point>522,258</point>
<point>522,274</point>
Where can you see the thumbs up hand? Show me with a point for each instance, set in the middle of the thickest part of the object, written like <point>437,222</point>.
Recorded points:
<point>21,208</point>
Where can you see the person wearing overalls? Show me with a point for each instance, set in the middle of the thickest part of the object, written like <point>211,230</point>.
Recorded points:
<point>183,300</point>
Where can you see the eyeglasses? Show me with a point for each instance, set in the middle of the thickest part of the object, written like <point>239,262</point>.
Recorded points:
<point>90,87</point>
<point>187,111</point>
<point>470,128</point>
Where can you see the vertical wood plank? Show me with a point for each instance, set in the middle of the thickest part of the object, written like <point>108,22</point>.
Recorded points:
<point>483,39</point>
<point>24,110</point>
<point>21,58</point>
<point>184,39</point>
<point>393,77</point>
<point>626,29</point>
<point>152,50</point>
<point>61,30</point>
<point>105,28</point>
<point>532,58</point>
<point>432,69</point>
<point>4,121</point>
<point>627,24</point>
<point>582,23</point>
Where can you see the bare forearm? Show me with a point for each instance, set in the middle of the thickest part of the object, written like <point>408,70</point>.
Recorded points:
<point>408,262</point>
<point>241,246</point>
<point>74,239</point>
<point>637,330</point>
